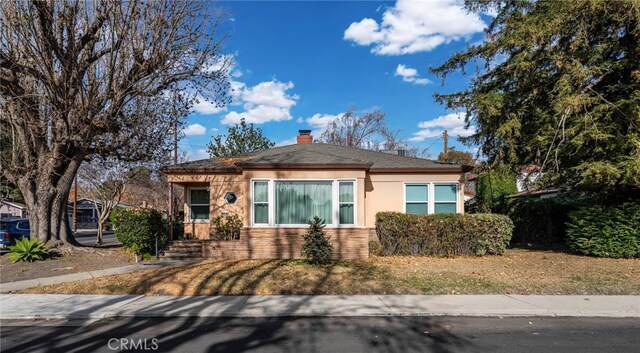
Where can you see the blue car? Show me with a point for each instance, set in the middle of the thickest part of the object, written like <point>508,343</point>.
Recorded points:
<point>12,229</point>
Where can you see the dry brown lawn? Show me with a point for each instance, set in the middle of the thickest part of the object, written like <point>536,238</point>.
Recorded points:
<point>516,272</point>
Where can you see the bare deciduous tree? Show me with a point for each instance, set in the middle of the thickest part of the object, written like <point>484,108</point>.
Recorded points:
<point>355,130</point>
<point>80,79</point>
<point>105,181</point>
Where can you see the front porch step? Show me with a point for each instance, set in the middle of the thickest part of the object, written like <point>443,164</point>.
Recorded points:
<point>183,250</point>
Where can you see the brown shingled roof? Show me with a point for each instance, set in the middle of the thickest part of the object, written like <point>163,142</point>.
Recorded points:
<point>315,155</point>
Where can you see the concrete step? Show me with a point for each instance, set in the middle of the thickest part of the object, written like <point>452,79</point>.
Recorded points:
<point>183,248</point>
<point>180,257</point>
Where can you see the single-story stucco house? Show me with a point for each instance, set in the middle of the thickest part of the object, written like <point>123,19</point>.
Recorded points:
<point>277,191</point>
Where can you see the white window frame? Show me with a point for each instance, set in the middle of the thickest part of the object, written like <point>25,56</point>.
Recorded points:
<point>457,193</point>
<point>253,202</point>
<point>335,222</point>
<point>337,207</point>
<point>431,194</point>
<point>404,196</point>
<point>191,220</point>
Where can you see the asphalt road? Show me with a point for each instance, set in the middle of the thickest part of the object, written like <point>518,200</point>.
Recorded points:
<point>362,334</point>
<point>89,238</point>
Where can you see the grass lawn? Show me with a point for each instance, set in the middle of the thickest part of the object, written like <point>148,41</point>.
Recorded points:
<point>516,272</point>
<point>81,260</point>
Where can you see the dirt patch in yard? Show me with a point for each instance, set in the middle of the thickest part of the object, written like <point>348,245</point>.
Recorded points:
<point>516,272</point>
<point>78,260</point>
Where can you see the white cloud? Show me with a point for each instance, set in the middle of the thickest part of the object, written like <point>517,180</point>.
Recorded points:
<point>214,129</point>
<point>198,154</point>
<point>207,108</point>
<point>413,26</point>
<point>321,121</point>
<point>454,124</point>
<point>194,129</point>
<point>410,75</point>
<point>264,102</point>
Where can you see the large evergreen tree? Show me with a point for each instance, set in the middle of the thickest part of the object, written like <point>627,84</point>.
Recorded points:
<point>240,139</point>
<point>558,85</point>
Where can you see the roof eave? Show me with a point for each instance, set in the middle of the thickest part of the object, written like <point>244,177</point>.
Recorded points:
<point>365,166</point>
<point>417,170</point>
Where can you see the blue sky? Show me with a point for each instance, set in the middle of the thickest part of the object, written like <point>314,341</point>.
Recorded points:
<point>297,65</point>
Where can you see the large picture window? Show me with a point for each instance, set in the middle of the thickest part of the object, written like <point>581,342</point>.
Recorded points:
<point>199,204</point>
<point>297,202</point>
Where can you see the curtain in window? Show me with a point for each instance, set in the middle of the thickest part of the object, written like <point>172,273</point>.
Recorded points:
<point>297,202</point>
<point>199,204</point>
<point>345,190</point>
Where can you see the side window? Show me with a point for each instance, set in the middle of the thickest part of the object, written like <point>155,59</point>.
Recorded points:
<point>417,199</point>
<point>24,225</point>
<point>446,198</point>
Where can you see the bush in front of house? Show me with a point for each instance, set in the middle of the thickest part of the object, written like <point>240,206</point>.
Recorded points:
<point>443,235</point>
<point>606,231</point>
<point>27,249</point>
<point>316,247</point>
<point>137,229</point>
<point>227,227</point>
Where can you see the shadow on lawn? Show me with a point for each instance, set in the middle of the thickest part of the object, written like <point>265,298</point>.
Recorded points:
<point>294,334</point>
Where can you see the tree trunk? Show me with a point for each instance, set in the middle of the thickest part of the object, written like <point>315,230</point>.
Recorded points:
<point>100,231</point>
<point>46,196</point>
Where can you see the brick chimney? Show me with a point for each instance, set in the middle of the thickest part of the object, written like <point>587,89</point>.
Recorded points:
<point>305,137</point>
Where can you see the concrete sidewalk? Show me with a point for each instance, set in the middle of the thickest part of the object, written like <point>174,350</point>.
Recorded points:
<point>54,306</point>
<point>19,285</point>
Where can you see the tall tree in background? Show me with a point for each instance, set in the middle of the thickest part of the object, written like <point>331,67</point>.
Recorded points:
<point>80,80</point>
<point>240,139</point>
<point>358,130</point>
<point>559,88</point>
<point>459,157</point>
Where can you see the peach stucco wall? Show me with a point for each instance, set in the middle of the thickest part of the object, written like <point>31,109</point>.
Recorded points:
<point>375,191</point>
<point>385,192</point>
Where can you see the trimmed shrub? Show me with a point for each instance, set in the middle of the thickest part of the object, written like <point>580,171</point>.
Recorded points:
<point>443,235</point>
<point>227,227</point>
<point>606,231</point>
<point>316,247</point>
<point>137,229</point>
<point>27,249</point>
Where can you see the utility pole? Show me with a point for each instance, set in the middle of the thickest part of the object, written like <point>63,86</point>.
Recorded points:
<point>75,206</point>
<point>446,146</point>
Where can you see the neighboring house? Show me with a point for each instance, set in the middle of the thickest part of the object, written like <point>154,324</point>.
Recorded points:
<point>276,191</point>
<point>526,184</point>
<point>9,209</point>
<point>87,212</point>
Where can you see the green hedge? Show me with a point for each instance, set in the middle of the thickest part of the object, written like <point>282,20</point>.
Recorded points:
<point>443,235</point>
<point>540,221</point>
<point>136,229</point>
<point>606,231</point>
